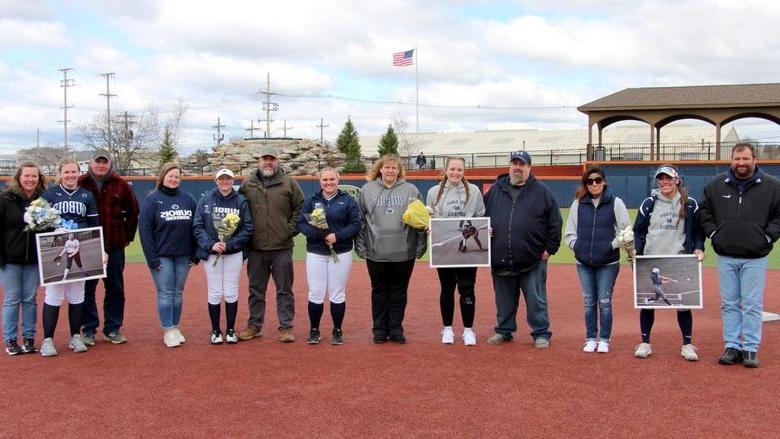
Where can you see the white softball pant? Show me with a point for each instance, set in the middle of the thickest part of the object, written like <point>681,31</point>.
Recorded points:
<point>222,279</point>
<point>324,275</point>
<point>73,291</point>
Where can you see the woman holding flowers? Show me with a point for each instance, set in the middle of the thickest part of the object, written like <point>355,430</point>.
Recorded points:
<point>330,219</point>
<point>19,258</point>
<point>223,228</point>
<point>594,217</point>
<point>667,223</point>
<point>455,197</point>
<point>78,209</point>
<point>165,228</point>
<point>388,244</point>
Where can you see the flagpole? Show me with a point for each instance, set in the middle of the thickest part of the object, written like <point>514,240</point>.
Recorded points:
<point>417,96</point>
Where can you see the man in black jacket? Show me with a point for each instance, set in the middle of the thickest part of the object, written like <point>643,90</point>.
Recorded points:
<point>526,231</point>
<point>741,216</point>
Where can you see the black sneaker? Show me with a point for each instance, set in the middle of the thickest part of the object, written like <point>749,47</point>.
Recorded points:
<point>314,337</point>
<point>11,348</point>
<point>730,356</point>
<point>337,338</point>
<point>398,337</point>
<point>380,337</point>
<point>28,346</point>
<point>750,359</point>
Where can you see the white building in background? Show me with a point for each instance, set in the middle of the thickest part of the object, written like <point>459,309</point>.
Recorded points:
<point>565,141</point>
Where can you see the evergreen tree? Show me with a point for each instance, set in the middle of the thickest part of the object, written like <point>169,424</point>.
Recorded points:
<point>388,144</point>
<point>167,152</point>
<point>348,143</point>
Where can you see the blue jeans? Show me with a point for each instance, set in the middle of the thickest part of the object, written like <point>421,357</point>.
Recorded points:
<point>20,285</point>
<point>169,280</point>
<point>114,300</point>
<point>532,284</point>
<point>741,283</point>
<point>597,284</point>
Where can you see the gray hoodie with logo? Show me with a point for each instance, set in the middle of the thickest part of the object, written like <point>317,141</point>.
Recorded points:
<point>453,203</point>
<point>383,236</point>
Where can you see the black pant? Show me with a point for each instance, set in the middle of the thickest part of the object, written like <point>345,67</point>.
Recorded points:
<point>114,300</point>
<point>464,278</point>
<point>389,285</point>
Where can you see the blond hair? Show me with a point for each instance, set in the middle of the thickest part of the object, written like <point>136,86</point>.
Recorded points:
<point>443,182</point>
<point>376,169</point>
<point>165,169</point>
<point>62,164</point>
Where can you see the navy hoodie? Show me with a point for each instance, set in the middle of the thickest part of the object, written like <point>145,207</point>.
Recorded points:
<point>343,216</point>
<point>213,206</point>
<point>522,229</point>
<point>165,225</point>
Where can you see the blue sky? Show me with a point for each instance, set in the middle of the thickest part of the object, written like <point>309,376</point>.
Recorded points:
<point>540,59</point>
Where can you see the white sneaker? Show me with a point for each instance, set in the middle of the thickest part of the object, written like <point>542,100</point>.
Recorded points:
<point>688,352</point>
<point>47,348</point>
<point>216,337</point>
<point>447,335</point>
<point>643,350</point>
<point>231,337</point>
<point>179,334</point>
<point>590,345</point>
<point>77,343</point>
<point>603,347</point>
<point>469,337</point>
<point>171,338</point>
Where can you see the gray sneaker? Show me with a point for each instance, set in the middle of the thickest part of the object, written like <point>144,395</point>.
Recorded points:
<point>89,339</point>
<point>77,343</point>
<point>115,337</point>
<point>497,339</point>
<point>47,348</point>
<point>541,343</point>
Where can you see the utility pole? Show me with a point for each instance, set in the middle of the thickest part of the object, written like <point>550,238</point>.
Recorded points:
<point>251,129</point>
<point>268,106</point>
<point>286,128</point>
<point>65,83</point>
<point>38,138</point>
<point>219,137</point>
<point>108,96</point>
<point>321,126</point>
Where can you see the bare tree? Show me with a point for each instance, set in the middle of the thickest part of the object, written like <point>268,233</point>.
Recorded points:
<point>175,120</point>
<point>131,139</point>
<point>47,156</point>
<point>405,142</point>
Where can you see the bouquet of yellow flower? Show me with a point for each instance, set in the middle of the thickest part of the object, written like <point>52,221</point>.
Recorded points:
<point>417,215</point>
<point>319,220</point>
<point>226,227</point>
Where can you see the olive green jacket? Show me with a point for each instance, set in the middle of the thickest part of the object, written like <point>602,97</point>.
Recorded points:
<point>275,203</point>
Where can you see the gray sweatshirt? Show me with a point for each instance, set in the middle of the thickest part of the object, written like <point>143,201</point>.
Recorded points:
<point>666,232</point>
<point>383,236</point>
<point>622,220</point>
<point>453,201</point>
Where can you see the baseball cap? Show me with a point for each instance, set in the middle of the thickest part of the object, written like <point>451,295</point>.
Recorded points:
<point>523,156</point>
<point>668,170</point>
<point>656,270</point>
<point>269,150</point>
<point>101,154</point>
<point>224,171</point>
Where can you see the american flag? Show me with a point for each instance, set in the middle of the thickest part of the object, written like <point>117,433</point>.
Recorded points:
<point>402,59</point>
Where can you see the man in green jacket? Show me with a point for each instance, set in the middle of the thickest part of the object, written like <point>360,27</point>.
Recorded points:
<point>275,200</point>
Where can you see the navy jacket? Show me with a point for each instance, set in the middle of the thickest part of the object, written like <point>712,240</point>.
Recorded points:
<point>165,226</point>
<point>694,236</point>
<point>525,228</point>
<point>595,232</point>
<point>343,216</point>
<point>213,206</point>
<point>742,220</point>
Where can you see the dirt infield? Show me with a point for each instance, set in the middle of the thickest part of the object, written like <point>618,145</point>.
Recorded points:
<point>263,387</point>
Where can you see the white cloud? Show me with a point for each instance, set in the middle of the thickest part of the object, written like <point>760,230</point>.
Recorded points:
<point>16,33</point>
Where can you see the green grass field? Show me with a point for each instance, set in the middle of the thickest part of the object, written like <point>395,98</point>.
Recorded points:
<point>564,255</point>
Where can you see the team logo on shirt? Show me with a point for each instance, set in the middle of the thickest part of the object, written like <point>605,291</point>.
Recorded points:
<point>176,214</point>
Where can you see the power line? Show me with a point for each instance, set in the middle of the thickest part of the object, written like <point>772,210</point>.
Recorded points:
<point>321,126</point>
<point>108,96</point>
<point>268,106</point>
<point>219,137</point>
<point>65,83</point>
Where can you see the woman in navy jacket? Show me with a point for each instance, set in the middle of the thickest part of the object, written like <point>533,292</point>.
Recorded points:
<point>594,217</point>
<point>165,228</point>
<point>224,258</point>
<point>324,272</point>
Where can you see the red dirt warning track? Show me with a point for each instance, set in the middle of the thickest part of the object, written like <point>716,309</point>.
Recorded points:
<point>266,388</point>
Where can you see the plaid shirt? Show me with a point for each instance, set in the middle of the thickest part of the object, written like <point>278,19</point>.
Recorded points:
<point>118,209</point>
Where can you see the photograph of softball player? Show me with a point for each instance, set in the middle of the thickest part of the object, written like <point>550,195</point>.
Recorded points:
<point>671,281</point>
<point>468,230</point>
<point>455,242</point>
<point>70,255</point>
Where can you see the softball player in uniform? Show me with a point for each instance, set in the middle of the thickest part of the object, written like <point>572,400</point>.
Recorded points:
<point>78,207</point>
<point>72,254</point>
<point>223,258</point>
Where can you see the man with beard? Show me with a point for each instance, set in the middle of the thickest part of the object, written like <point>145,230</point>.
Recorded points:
<point>741,216</point>
<point>275,201</point>
<point>526,231</point>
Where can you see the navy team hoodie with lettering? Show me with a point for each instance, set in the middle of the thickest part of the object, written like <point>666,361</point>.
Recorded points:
<point>165,225</point>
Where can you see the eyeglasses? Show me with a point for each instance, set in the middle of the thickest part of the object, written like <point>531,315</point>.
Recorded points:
<point>597,180</point>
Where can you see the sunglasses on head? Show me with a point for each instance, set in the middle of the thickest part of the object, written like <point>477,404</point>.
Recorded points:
<point>597,180</point>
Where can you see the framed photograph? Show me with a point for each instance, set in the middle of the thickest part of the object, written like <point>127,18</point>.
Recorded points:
<point>70,256</point>
<point>667,281</point>
<point>459,242</point>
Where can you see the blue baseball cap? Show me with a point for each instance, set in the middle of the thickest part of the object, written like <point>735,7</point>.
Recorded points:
<point>523,156</point>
